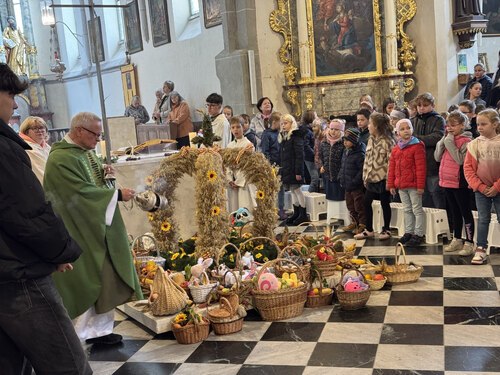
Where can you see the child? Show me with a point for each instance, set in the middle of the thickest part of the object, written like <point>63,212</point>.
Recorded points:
<point>228,112</point>
<point>407,174</point>
<point>291,141</point>
<point>375,167</point>
<point>362,117</point>
<point>319,135</point>
<point>450,152</point>
<point>271,150</point>
<point>240,193</point>
<point>247,132</point>
<point>351,179</point>
<point>481,168</point>
<point>330,158</point>
<point>307,119</point>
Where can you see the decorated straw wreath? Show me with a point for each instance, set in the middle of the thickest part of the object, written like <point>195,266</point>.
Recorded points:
<point>207,166</point>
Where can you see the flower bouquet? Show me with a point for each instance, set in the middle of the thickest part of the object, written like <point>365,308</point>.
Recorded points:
<point>190,327</point>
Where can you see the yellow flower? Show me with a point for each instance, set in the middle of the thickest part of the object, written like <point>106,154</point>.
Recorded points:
<point>266,259</point>
<point>180,318</point>
<point>215,211</point>
<point>258,255</point>
<point>260,247</point>
<point>260,194</point>
<point>151,217</point>
<point>165,226</point>
<point>247,235</point>
<point>174,256</point>
<point>149,180</point>
<point>231,257</point>
<point>211,175</point>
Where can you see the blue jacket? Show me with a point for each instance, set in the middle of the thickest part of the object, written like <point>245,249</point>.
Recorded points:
<point>270,147</point>
<point>351,170</point>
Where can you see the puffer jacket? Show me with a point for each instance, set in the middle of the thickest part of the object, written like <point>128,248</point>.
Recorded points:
<point>351,169</point>
<point>331,158</point>
<point>308,142</point>
<point>407,166</point>
<point>451,151</point>
<point>292,158</point>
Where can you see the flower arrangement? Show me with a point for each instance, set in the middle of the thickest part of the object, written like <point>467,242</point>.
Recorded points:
<point>186,316</point>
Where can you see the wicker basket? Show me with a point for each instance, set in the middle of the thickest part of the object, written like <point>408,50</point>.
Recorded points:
<point>221,278</point>
<point>352,300</point>
<point>319,300</point>
<point>401,274</point>
<point>279,269</point>
<point>192,333</point>
<point>141,256</point>
<point>201,292</point>
<point>224,319</point>
<point>376,284</point>
<point>227,328</point>
<point>280,304</point>
<point>326,267</point>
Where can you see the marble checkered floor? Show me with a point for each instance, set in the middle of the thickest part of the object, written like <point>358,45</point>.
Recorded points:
<point>447,323</point>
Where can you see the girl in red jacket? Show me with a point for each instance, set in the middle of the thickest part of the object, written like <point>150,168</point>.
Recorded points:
<point>407,174</point>
<point>482,172</point>
<point>450,153</point>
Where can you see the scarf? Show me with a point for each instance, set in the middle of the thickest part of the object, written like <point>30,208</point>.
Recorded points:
<point>332,140</point>
<point>412,141</point>
<point>30,140</point>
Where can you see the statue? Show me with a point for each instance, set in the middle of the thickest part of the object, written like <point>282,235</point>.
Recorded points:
<point>16,46</point>
<point>465,8</point>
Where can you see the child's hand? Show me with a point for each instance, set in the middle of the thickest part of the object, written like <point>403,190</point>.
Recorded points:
<point>393,191</point>
<point>420,191</point>
<point>298,177</point>
<point>322,170</point>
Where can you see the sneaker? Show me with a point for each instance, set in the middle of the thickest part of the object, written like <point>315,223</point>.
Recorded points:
<point>479,256</point>
<point>360,229</point>
<point>415,240</point>
<point>384,235</point>
<point>467,249</point>
<point>364,234</point>
<point>348,228</point>
<point>406,237</point>
<point>111,339</point>
<point>454,245</point>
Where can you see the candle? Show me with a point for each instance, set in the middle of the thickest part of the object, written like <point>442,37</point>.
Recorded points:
<point>322,91</point>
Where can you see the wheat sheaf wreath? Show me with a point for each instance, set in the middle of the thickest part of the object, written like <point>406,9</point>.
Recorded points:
<point>207,166</point>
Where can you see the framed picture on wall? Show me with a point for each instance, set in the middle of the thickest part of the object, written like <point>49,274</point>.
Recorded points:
<point>491,10</point>
<point>129,83</point>
<point>132,27</point>
<point>160,28</point>
<point>212,13</point>
<point>98,40</point>
<point>462,63</point>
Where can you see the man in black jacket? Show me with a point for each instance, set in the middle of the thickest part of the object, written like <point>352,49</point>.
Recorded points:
<point>33,244</point>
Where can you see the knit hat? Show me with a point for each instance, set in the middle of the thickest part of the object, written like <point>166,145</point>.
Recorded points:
<point>404,121</point>
<point>337,124</point>
<point>352,135</point>
<point>397,114</point>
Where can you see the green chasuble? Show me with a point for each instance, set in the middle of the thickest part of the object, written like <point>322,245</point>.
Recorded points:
<point>104,276</point>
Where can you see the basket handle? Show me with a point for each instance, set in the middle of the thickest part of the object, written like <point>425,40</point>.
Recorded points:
<point>320,277</point>
<point>345,271</point>
<point>236,278</point>
<point>139,238</point>
<point>403,253</point>
<point>307,224</point>
<point>272,262</point>
<point>243,226</point>
<point>221,252</point>
<point>242,245</point>
<point>293,247</point>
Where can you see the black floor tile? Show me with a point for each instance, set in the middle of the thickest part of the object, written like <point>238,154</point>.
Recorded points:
<point>343,355</point>
<point>235,352</point>
<point>416,298</point>
<point>496,270</point>
<point>115,353</point>
<point>412,334</point>
<point>456,260</point>
<point>470,283</point>
<point>472,315</point>
<point>424,249</point>
<point>164,336</point>
<point>432,271</point>
<point>270,370</point>
<point>149,368</point>
<point>379,371</point>
<point>461,358</point>
<point>252,316</point>
<point>290,331</point>
<point>369,314</point>
<point>391,242</point>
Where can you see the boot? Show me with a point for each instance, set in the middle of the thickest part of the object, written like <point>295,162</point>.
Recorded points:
<point>302,218</point>
<point>282,214</point>
<point>292,218</point>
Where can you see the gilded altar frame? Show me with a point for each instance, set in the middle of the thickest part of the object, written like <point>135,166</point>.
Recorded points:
<point>344,42</point>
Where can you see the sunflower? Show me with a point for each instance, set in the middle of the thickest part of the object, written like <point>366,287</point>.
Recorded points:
<point>211,175</point>
<point>180,318</point>
<point>166,226</point>
<point>215,211</point>
<point>260,194</point>
<point>149,180</point>
<point>151,217</point>
<point>174,256</point>
<point>258,256</point>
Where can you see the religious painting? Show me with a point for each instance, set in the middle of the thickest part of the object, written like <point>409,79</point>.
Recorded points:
<point>491,10</point>
<point>129,83</point>
<point>345,39</point>
<point>212,13</point>
<point>160,28</point>
<point>483,59</point>
<point>132,27</point>
<point>462,63</point>
<point>97,46</point>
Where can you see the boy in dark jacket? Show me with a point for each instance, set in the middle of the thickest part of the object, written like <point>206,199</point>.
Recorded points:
<point>33,244</point>
<point>351,179</point>
<point>428,126</point>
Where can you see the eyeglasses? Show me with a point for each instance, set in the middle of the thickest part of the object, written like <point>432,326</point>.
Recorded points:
<point>40,129</point>
<point>98,135</point>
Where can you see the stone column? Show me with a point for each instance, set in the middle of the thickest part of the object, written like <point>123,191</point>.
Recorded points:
<point>36,90</point>
<point>304,48</point>
<point>391,44</point>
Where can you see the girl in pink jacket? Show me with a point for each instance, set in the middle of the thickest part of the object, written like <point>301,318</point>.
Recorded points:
<point>450,153</point>
<point>482,171</point>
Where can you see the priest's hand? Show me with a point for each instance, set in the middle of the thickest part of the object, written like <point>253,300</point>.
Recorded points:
<point>64,267</point>
<point>127,194</point>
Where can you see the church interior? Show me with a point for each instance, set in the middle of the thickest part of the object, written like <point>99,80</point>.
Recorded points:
<point>118,58</point>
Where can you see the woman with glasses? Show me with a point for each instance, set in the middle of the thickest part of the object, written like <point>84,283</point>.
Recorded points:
<point>34,132</point>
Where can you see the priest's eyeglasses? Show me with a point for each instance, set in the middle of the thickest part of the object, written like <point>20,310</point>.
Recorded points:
<point>98,135</point>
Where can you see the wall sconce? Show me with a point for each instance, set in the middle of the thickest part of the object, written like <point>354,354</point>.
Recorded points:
<point>48,18</point>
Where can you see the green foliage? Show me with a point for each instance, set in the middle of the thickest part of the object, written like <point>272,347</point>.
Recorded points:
<point>207,138</point>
